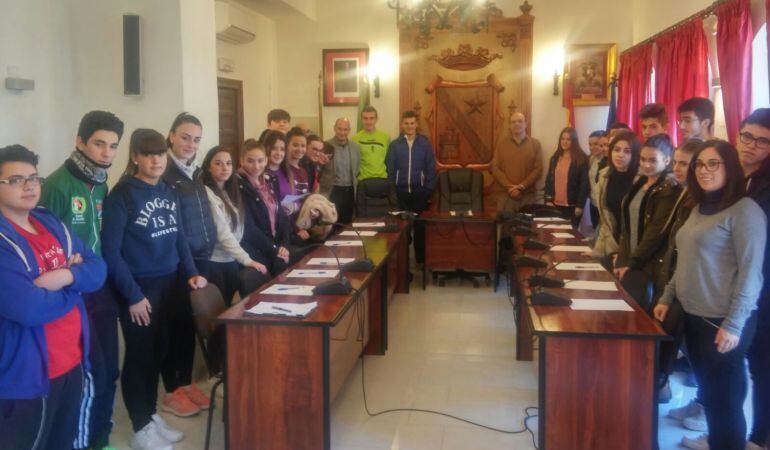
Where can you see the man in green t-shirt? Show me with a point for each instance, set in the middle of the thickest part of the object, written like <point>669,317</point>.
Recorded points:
<point>75,193</point>
<point>374,146</point>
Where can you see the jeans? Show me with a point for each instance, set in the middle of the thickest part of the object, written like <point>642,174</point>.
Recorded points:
<point>759,367</point>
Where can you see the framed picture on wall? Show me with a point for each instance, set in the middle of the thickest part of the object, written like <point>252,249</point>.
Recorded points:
<point>590,68</point>
<point>344,72</point>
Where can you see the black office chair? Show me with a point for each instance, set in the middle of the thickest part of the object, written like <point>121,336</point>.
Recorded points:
<point>207,305</point>
<point>375,197</point>
<point>460,190</point>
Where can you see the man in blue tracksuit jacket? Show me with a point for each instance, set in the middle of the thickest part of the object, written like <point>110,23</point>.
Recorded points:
<point>43,322</point>
<point>411,167</point>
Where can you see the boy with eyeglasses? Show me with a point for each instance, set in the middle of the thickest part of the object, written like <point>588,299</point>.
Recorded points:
<point>44,333</point>
<point>74,193</point>
<point>753,146</point>
<point>695,119</point>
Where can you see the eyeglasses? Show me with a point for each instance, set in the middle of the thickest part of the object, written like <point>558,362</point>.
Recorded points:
<point>18,180</point>
<point>712,165</point>
<point>760,142</point>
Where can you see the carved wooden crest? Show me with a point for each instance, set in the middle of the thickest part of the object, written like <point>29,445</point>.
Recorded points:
<point>465,58</point>
<point>465,121</point>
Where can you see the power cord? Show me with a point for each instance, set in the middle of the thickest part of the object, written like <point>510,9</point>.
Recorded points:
<point>361,323</point>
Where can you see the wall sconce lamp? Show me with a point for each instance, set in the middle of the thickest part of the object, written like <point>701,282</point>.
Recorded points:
<point>555,82</point>
<point>376,82</point>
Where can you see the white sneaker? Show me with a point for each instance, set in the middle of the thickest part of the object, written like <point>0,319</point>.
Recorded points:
<point>697,422</point>
<point>148,438</point>
<point>752,446</point>
<point>691,409</point>
<point>699,443</point>
<point>165,430</point>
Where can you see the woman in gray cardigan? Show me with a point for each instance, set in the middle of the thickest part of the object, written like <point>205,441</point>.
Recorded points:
<point>717,281</point>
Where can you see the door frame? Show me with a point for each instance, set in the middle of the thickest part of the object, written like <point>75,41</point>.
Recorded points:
<point>237,85</point>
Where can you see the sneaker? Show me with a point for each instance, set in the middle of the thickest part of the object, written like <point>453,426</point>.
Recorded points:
<point>752,446</point>
<point>148,438</point>
<point>699,443</point>
<point>664,394</point>
<point>178,404</point>
<point>696,422</point>
<point>197,396</point>
<point>165,430</point>
<point>691,409</point>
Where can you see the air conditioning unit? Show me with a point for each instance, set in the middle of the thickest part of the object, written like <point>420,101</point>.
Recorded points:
<point>232,25</point>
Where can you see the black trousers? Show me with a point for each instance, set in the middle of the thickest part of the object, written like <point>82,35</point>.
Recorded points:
<point>416,202</point>
<point>568,212</point>
<point>45,423</point>
<point>149,349</point>
<point>102,308</point>
<point>722,379</point>
<point>759,368</point>
<point>225,277</point>
<point>594,216</point>
<point>344,200</point>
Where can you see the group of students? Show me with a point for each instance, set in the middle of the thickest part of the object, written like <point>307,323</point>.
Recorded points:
<point>685,231</point>
<point>77,260</point>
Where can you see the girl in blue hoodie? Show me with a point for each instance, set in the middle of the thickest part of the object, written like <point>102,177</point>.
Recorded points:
<point>151,267</point>
<point>43,322</point>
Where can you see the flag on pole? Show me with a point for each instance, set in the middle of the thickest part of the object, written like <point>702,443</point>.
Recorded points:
<point>613,112</point>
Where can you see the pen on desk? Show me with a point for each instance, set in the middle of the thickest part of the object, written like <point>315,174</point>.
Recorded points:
<point>278,308</point>
<point>289,288</point>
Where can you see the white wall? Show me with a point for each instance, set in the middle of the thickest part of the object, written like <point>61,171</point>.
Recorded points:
<point>37,45</point>
<point>255,66</point>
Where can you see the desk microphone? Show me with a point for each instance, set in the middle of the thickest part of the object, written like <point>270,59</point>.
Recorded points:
<point>520,230</point>
<point>541,297</point>
<point>529,261</point>
<point>336,286</point>
<point>358,265</point>
<point>534,244</point>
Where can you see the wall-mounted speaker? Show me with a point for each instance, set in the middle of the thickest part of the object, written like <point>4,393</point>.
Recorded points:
<point>132,55</point>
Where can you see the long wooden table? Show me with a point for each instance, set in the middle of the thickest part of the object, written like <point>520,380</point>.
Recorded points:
<point>597,369</point>
<point>467,243</point>
<point>283,373</point>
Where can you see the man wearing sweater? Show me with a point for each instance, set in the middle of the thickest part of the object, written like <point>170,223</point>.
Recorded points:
<point>754,151</point>
<point>44,333</point>
<point>75,192</point>
<point>345,166</point>
<point>516,166</point>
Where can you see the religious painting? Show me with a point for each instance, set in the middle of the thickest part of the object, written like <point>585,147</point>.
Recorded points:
<point>344,72</point>
<point>590,68</point>
<point>465,121</point>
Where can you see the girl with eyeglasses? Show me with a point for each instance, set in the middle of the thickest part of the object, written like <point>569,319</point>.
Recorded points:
<point>718,281</point>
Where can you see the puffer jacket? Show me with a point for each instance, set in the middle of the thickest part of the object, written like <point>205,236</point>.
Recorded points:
<point>606,244</point>
<point>676,219</point>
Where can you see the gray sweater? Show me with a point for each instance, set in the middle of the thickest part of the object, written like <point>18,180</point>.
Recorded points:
<point>719,264</point>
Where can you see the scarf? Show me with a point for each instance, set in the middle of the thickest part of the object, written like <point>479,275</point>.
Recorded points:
<point>85,169</point>
<point>711,202</point>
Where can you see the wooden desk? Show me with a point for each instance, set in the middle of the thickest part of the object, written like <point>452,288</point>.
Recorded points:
<point>459,243</point>
<point>598,369</point>
<point>283,373</point>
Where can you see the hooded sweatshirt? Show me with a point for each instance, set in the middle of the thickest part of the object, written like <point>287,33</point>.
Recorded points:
<point>26,308</point>
<point>142,235</point>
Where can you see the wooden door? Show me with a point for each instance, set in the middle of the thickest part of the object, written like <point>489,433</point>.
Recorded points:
<point>230,113</point>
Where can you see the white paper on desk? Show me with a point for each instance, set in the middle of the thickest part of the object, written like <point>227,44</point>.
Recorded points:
<point>587,304</point>
<point>608,286</point>
<point>555,227</point>
<point>570,248</point>
<point>283,309</point>
<point>368,224</point>
<point>328,261</point>
<point>562,235</point>
<point>360,233</point>
<point>289,289</point>
<point>549,219</point>
<point>580,266</point>
<point>344,243</point>
<point>313,273</point>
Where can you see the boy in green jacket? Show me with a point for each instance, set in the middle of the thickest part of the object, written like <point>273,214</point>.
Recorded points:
<point>75,192</point>
<point>374,146</point>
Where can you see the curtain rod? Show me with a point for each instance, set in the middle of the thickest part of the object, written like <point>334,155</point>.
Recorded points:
<point>702,14</point>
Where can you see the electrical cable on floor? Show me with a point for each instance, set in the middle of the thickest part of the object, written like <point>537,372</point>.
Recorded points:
<point>361,323</point>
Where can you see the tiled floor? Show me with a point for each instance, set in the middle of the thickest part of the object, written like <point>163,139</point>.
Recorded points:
<point>451,350</point>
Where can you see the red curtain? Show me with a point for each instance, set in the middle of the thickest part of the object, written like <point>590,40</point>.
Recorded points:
<point>634,84</point>
<point>734,38</point>
<point>681,70</point>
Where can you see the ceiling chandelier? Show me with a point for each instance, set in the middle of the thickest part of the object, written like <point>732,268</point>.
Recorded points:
<point>472,15</point>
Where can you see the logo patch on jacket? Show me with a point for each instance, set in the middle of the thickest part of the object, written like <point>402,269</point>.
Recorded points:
<point>78,205</point>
